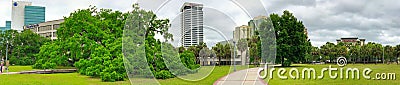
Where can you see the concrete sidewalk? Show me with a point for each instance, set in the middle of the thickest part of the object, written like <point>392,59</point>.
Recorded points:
<point>242,77</point>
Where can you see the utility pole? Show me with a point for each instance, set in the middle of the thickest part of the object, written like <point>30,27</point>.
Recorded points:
<point>383,55</point>
<point>6,57</point>
<point>234,56</point>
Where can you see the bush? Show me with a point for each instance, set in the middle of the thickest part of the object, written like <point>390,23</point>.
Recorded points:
<point>287,62</point>
<point>164,74</point>
<point>187,58</point>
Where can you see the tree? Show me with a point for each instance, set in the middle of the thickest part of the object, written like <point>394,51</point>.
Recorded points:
<point>158,54</point>
<point>377,52</point>
<point>314,55</point>
<point>354,53</point>
<point>255,49</point>
<point>328,50</point>
<point>26,44</point>
<point>50,56</point>
<point>292,42</point>
<point>389,53</point>
<point>397,53</point>
<point>7,43</point>
<point>188,59</point>
<point>89,39</point>
<point>218,49</point>
<point>21,46</point>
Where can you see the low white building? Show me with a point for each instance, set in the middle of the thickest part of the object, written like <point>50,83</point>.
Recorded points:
<point>46,29</point>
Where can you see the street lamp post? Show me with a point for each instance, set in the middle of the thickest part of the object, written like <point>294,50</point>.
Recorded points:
<point>383,55</point>
<point>6,57</point>
<point>234,56</point>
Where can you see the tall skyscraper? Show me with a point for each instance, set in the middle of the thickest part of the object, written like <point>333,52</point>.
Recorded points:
<point>192,24</point>
<point>23,13</point>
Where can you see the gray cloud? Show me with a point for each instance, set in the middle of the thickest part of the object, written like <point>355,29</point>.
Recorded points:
<point>328,20</point>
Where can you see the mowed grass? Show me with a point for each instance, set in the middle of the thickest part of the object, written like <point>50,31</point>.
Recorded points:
<point>19,68</point>
<point>77,79</point>
<point>53,79</point>
<point>376,68</point>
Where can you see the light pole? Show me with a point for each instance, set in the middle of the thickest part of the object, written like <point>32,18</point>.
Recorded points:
<point>6,57</point>
<point>234,56</point>
<point>383,55</point>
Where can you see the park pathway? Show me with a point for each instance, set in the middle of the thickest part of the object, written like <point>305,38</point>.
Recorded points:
<point>242,77</point>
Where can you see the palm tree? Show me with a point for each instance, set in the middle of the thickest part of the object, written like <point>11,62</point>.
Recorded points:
<point>397,52</point>
<point>228,51</point>
<point>242,47</point>
<point>218,49</point>
<point>389,53</point>
<point>354,52</point>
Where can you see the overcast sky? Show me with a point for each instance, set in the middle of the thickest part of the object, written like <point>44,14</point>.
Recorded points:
<point>326,20</point>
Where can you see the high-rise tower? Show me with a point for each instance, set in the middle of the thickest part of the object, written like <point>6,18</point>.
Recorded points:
<point>192,24</point>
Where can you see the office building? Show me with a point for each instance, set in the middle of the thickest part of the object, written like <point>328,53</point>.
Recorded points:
<point>192,24</point>
<point>46,29</point>
<point>23,13</point>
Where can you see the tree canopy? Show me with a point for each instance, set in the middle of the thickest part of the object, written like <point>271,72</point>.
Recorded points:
<point>291,40</point>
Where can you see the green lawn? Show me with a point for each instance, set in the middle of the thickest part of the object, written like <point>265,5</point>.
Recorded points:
<point>77,79</point>
<point>378,68</point>
<point>53,79</point>
<point>19,68</point>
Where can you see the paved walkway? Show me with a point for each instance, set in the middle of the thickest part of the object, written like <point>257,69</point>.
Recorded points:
<point>49,71</point>
<point>242,77</point>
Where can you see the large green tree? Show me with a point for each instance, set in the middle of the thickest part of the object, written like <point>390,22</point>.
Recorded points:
<point>21,46</point>
<point>26,44</point>
<point>292,43</point>
<point>90,39</point>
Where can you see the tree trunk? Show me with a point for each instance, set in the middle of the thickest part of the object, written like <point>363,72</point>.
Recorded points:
<point>282,60</point>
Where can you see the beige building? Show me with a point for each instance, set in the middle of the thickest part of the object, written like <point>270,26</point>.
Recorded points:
<point>46,29</point>
<point>351,40</point>
<point>241,32</point>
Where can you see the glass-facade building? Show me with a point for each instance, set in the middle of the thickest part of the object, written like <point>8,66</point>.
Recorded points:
<point>34,15</point>
<point>23,13</point>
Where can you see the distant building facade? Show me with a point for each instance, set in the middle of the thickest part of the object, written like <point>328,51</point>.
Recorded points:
<point>351,40</point>
<point>46,29</point>
<point>192,24</point>
<point>253,24</point>
<point>23,13</point>
<point>7,27</point>
<point>241,32</point>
